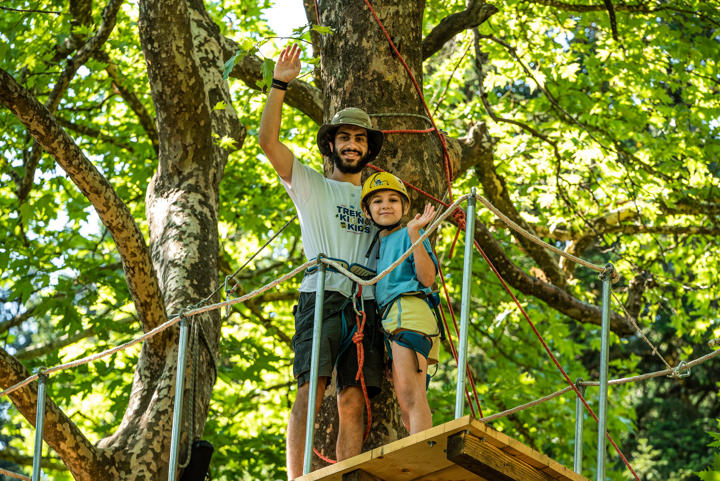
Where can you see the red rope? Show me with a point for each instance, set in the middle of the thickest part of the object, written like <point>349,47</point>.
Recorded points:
<point>552,356</point>
<point>317,12</point>
<point>408,131</point>
<point>443,143</point>
<point>357,338</point>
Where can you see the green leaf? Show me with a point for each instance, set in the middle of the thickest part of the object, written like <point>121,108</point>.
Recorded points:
<point>268,66</point>
<point>322,30</point>
<point>227,68</point>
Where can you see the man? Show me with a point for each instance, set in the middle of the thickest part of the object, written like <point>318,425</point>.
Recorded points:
<point>332,223</point>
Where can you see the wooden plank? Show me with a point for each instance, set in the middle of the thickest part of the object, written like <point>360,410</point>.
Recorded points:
<point>482,458</point>
<point>360,475</point>
<point>402,460</point>
<point>524,452</point>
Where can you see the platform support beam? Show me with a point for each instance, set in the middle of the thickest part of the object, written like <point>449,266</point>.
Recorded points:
<point>39,425</point>
<point>465,306</point>
<point>314,360</point>
<point>490,463</point>
<point>606,277</point>
<point>579,417</point>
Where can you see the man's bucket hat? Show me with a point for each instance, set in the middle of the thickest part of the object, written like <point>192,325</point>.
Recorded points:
<point>350,116</point>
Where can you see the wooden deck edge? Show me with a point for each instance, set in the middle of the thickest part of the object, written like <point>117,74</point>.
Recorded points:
<point>438,435</point>
<point>355,462</point>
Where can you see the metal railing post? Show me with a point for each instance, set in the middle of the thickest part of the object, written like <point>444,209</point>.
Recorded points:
<point>177,408</point>
<point>606,276</point>
<point>39,425</point>
<point>579,416</point>
<point>315,357</point>
<point>465,305</point>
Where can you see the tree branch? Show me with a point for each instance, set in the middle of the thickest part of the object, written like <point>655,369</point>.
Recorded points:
<point>112,211</point>
<point>94,133</point>
<point>109,16</point>
<point>255,310</point>
<point>640,7</point>
<point>475,14</point>
<point>54,464</point>
<point>495,188</point>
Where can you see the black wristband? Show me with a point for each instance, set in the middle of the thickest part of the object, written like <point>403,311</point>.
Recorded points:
<point>278,84</point>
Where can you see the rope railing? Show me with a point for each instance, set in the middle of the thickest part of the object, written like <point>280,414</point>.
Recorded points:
<point>210,307</point>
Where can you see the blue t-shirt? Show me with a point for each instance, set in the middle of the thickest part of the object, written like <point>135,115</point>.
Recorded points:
<point>403,278</point>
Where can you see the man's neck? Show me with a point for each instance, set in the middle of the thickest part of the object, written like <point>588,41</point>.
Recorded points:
<point>336,174</point>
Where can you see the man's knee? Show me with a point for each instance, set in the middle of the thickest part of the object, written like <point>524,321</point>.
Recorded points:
<point>350,402</point>
<point>299,408</point>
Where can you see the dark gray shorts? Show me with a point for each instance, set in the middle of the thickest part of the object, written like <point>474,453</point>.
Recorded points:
<point>332,342</point>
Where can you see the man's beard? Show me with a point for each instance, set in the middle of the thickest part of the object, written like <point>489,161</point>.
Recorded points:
<point>346,168</point>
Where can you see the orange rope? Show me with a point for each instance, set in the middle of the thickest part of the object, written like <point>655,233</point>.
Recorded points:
<point>357,338</point>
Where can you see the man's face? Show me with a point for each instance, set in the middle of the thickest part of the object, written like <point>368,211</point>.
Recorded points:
<point>350,149</point>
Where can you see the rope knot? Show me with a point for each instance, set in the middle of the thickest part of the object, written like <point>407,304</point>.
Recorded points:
<point>459,216</point>
<point>358,337</point>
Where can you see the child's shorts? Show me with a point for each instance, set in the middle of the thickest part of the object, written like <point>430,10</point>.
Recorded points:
<point>410,313</point>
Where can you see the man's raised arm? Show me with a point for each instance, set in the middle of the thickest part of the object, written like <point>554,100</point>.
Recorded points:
<point>286,69</point>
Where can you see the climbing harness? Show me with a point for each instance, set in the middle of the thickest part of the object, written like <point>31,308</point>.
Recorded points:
<point>354,335</point>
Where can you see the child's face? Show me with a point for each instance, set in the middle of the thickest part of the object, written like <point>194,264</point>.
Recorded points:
<point>386,207</point>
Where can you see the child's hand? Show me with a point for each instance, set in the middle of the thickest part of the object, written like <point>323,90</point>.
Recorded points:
<point>421,220</point>
<point>288,63</point>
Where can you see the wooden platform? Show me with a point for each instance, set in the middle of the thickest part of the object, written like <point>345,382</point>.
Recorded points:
<point>462,450</point>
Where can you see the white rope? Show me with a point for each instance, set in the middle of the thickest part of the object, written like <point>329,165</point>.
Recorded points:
<point>14,475</point>
<point>522,407</point>
<point>535,239</point>
<point>153,332</point>
<point>672,372</point>
<point>405,255</point>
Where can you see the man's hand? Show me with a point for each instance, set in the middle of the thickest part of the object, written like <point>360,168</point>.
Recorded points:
<point>421,221</point>
<point>288,64</point>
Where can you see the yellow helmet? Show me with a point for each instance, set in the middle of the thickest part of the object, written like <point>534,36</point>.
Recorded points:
<point>383,181</point>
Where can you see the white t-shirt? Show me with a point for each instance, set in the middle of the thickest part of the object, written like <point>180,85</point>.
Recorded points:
<point>331,223</point>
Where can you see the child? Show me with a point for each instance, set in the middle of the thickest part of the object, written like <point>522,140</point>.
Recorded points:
<point>410,327</point>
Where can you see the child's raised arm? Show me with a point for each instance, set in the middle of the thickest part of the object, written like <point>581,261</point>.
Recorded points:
<point>424,265</point>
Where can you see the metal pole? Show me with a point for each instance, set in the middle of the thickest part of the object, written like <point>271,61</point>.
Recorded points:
<point>465,305</point>
<point>39,424</point>
<point>177,409</point>
<point>606,277</point>
<point>314,360</point>
<point>579,416</point>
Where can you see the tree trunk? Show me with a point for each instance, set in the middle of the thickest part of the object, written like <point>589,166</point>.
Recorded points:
<point>182,50</point>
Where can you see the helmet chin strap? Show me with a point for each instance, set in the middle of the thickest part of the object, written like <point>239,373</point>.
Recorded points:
<point>377,236</point>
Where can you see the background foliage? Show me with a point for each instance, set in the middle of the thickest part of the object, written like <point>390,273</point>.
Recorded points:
<point>585,125</point>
